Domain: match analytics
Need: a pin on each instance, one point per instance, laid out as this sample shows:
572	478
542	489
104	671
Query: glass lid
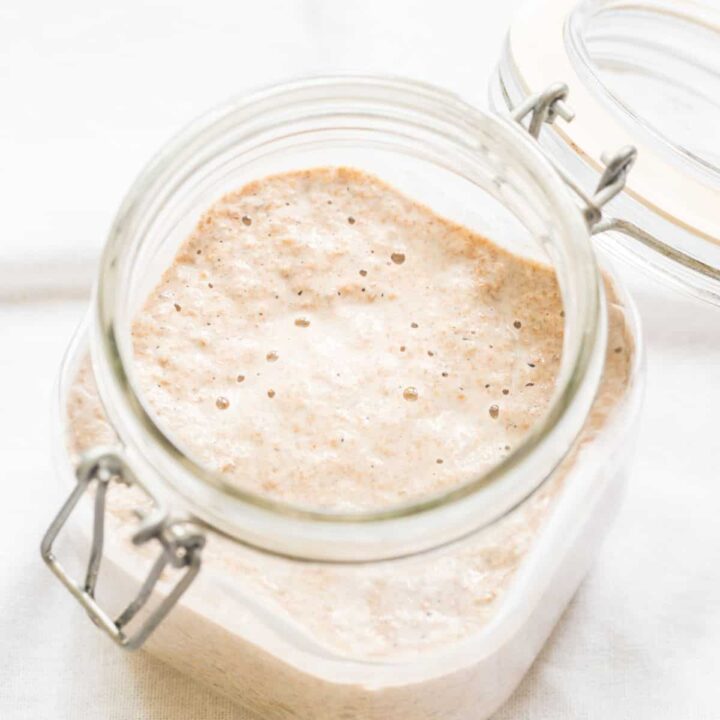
643	73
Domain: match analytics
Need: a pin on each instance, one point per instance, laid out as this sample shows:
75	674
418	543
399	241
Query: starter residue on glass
322	339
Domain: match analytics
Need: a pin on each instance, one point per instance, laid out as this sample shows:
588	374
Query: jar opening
414	135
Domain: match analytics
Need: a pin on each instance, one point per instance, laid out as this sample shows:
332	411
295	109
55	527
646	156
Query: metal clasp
550	104
181	545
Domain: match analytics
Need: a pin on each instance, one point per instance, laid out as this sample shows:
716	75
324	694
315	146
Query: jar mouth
434	117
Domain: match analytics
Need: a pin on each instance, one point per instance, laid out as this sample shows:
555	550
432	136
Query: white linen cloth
88	91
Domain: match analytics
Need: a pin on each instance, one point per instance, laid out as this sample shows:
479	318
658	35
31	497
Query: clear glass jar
283	592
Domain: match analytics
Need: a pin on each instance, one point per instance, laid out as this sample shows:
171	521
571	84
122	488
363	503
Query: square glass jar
249	623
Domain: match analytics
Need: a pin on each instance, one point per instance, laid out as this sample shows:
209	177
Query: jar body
232	634
446	631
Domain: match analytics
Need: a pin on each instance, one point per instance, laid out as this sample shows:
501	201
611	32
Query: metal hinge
550	104
180	541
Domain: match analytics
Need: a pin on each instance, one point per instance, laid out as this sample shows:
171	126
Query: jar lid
644	73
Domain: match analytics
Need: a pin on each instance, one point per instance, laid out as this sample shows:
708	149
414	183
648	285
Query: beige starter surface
325	340
322	339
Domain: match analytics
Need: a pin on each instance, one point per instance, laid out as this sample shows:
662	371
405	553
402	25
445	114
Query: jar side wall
492	670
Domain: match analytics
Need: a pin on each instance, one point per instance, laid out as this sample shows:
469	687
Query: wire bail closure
545	107
181	544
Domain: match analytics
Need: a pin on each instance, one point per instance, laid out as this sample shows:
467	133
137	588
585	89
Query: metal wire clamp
545	107
180	541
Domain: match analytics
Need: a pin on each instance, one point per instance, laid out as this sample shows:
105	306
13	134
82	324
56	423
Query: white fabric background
88	90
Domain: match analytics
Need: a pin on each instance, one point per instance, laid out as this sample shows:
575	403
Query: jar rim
285	528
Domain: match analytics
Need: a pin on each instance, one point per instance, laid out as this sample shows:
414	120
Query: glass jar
430	609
